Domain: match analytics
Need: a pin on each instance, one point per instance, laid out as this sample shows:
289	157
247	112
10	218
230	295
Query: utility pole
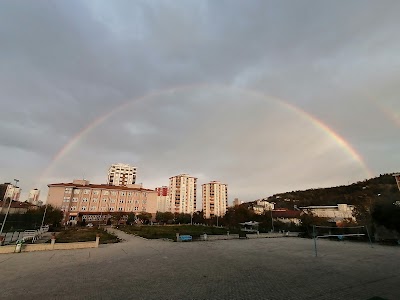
272	221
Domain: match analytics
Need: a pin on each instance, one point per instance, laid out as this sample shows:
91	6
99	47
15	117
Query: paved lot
279	268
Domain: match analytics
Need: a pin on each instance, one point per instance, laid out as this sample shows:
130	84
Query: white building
34	196
163	200
263	205
8	190
121	175
335	213
215	199
182	193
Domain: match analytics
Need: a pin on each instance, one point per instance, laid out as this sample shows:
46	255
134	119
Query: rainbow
74	141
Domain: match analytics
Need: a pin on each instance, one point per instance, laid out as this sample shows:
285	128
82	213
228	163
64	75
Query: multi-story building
8	190
34	196
163	200
215	199
263	205
97	202
335	213
121	175
182	193
237	202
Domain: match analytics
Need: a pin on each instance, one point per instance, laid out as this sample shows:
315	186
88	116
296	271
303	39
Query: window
73	208
86	192
105	199
105	193
95	192
93	208
84	200
130	194
68	190
83	208
120	208
113	193
122	193
66	199
136	201
76	192
112	201
121	201
94	200
136	208
111	208
129	201
144	201
75	199
144	194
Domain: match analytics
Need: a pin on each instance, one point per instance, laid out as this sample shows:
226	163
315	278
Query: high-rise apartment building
8	190
81	200
163	200
34	196
237	202
182	193
215	199
121	175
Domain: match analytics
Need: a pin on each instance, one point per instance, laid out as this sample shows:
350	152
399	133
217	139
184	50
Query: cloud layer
65	64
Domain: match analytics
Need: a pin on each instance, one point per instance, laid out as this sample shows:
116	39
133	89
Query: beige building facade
214	199
182	193
82	200
163	200
34	196
121	175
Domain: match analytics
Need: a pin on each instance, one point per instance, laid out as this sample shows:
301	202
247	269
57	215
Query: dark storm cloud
63	64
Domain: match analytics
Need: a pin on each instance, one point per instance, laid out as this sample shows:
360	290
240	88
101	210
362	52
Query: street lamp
8	209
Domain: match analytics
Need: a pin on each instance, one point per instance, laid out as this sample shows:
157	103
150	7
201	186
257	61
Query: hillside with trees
381	189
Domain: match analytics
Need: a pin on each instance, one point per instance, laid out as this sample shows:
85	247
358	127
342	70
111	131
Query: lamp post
272	221
8	209
44	215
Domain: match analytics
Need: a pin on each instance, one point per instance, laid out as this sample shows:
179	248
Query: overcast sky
235	91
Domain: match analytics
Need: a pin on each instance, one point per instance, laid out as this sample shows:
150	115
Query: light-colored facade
163	200
182	193
8	190
82	200
397	177
237	202
121	175
215	199
34	196
263	205
334	212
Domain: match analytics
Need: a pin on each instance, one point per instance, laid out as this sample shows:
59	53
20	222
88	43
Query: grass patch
169	231
85	235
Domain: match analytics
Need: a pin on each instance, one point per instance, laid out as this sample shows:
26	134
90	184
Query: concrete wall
52	246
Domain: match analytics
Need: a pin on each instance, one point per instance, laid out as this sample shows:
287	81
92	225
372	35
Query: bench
184	238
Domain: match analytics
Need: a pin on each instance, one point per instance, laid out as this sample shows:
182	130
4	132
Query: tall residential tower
215	199
121	175
182	193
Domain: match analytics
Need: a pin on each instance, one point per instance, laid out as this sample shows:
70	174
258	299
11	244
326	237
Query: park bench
30	235
184	238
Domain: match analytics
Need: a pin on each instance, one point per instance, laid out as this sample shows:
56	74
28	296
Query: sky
265	96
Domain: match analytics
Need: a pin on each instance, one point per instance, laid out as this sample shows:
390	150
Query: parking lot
263	268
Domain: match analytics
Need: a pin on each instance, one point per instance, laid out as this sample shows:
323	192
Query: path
233	269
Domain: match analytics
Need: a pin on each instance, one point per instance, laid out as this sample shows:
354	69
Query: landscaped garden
85	235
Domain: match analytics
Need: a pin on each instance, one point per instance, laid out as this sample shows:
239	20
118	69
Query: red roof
99	186
286	213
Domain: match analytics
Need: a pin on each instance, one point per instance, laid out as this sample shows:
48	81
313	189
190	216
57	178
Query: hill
381	189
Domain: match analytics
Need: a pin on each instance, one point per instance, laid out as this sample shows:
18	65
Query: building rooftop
99	186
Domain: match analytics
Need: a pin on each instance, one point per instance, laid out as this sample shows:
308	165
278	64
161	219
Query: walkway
261	268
